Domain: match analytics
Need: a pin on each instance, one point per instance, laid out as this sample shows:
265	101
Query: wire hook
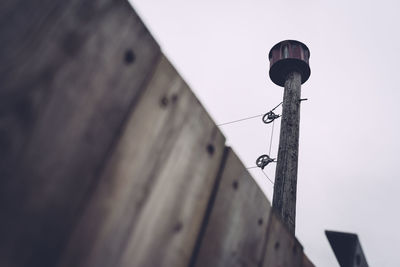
263	161
269	117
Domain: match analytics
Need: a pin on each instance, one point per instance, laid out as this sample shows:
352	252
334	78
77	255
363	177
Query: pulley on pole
289	68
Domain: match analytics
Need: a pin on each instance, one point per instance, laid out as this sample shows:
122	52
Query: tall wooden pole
289	68
284	199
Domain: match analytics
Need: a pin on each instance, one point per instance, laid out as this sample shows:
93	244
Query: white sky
349	128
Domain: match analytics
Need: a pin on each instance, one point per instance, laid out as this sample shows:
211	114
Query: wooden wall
108	159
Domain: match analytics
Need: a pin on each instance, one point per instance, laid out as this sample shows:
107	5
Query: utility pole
289	68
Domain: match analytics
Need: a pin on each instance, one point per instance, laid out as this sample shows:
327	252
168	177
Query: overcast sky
350	127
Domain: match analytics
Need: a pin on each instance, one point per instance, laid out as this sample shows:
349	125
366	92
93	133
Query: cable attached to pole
270	141
270	116
267	177
244	119
263	160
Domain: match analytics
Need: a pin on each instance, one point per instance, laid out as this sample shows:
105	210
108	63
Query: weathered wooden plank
151	199
282	248
70	72
236	230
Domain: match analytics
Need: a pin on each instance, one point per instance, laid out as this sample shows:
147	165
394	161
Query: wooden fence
108	159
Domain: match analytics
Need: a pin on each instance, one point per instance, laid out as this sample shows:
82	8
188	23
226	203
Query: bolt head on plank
286	57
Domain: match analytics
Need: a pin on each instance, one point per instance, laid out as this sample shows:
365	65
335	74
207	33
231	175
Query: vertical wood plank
236	230
151	199
70	72
282	248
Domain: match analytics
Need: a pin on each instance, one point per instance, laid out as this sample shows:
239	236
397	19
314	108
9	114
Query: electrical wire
262	172
277	106
267	177
248	118
270	141
252	167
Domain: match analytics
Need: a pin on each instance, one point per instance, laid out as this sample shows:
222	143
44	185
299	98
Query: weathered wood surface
108	159
152	196
236	229
282	248
285	187
70	71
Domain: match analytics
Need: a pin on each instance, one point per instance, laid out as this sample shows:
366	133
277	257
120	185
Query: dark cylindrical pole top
286	57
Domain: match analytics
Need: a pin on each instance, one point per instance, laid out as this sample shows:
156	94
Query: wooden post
289	68
284	199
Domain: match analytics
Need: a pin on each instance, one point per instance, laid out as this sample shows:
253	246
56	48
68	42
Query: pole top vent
286	57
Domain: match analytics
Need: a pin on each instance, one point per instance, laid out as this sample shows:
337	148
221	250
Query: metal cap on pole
289	68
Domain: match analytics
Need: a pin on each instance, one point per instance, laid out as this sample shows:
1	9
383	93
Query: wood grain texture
282	248
285	187
236	230
70	71
151	199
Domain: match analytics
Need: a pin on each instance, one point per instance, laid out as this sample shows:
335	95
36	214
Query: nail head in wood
129	57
